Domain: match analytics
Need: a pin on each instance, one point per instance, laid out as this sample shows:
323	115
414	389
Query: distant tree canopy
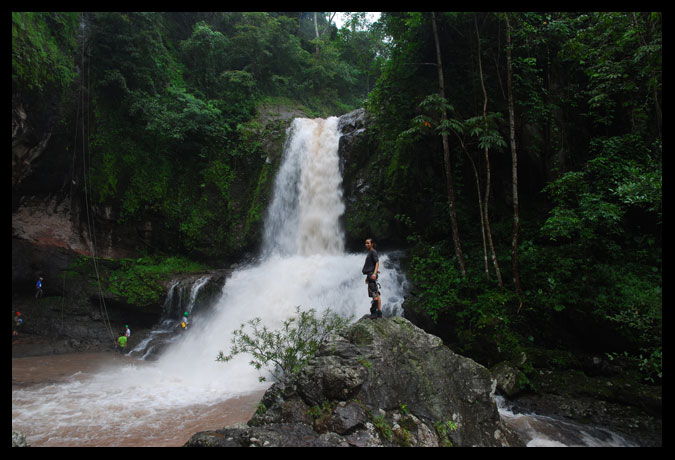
173	93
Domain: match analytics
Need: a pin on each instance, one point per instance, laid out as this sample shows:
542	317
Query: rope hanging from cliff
70	194
85	170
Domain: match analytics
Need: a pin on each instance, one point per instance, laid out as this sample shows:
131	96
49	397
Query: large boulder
509	377
381	382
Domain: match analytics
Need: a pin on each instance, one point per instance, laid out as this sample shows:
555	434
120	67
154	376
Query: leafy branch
287	350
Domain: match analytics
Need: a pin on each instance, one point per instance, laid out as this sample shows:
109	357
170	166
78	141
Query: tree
204	54
458	129
316	29
486	145
514	160
362	45
446	153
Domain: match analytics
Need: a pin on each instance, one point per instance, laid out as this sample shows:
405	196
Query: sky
339	19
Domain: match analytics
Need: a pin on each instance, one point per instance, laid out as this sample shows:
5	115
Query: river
547	431
87	400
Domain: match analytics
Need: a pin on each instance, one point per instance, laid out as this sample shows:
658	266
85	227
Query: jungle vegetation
518	156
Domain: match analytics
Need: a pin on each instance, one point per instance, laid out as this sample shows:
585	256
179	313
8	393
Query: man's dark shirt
371	259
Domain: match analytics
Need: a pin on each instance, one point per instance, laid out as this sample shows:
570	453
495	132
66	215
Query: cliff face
52	203
381	382
362	216
53	224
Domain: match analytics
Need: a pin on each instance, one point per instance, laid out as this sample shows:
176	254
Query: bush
436	276
284	351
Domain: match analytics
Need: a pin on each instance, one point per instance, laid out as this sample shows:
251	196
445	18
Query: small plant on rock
287	350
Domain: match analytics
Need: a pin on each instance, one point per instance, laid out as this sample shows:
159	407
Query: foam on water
544	431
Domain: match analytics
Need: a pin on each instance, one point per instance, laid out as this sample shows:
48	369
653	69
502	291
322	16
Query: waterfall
175	304
302	263
303	218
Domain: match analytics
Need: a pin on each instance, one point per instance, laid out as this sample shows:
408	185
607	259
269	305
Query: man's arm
377	268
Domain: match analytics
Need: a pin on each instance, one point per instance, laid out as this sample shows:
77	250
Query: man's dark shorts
373	290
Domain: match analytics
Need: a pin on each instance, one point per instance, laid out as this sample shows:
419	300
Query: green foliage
586	216
287	350
632	299
205	57
479	311
651	365
179	117
591	204
172	97
137	281
618	85
382	426
43	48
437	278
321	414
443	430
485	130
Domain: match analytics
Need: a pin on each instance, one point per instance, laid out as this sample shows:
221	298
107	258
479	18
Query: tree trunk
446	155
487	167
316	31
323	32
330	19
514	160
482	218
480	207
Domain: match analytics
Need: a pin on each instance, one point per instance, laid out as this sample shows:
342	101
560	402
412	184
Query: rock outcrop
355	152
380	382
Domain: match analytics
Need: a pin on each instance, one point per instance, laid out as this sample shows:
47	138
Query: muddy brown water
57	401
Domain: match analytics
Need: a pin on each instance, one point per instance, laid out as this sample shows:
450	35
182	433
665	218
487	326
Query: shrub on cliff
284	351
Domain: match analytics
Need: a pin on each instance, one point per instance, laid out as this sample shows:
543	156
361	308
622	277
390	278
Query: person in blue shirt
38	287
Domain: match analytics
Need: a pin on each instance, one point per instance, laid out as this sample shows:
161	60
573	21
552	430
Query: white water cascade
303	216
303	263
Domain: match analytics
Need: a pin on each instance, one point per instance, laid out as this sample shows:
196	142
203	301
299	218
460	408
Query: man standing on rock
371	269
